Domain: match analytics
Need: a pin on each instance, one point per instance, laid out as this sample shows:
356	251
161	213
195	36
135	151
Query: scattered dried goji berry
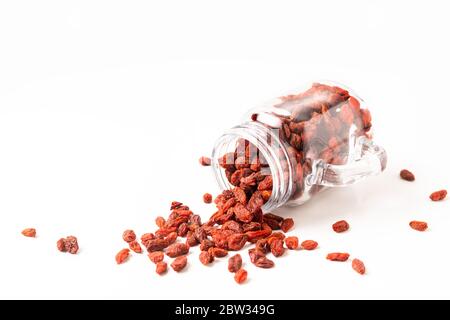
338	256
341	226
160	222
207	198
29	232
264	262
358	266
122	256
218	252
206	258
177	249
276	247
157	244
179	263
156	256
309	244
129	236
235	263
240	276
407	175
287	224
135	246
291	243
236	241
68	244
438	195
418	225
204	161
161	267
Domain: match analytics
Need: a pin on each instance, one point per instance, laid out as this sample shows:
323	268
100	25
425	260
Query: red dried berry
338	256
156	256
179	263
291	243
235	263
438	195
341	226
358	266
264	262
236	241
207	198
157	244
276	247
240	276
161	268
160	222
122	256
407	175
177	249
204	161
309	244
218	252
129	236
68	244
29	232
135	246
206	258
287	225
418	225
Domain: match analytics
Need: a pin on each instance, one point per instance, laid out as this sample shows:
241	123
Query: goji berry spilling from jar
29	232
68	244
407	175
438	195
418	225
340	226
204	161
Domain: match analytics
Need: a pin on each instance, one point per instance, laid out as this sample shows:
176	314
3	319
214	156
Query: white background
105	107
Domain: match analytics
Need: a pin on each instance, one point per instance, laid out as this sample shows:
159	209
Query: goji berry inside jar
292	147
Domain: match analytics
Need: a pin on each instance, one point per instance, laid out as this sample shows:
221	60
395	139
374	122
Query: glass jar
305	141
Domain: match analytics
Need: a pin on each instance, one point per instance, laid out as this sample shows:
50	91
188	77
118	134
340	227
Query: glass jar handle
371	160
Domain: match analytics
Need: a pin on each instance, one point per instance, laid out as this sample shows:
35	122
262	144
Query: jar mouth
257	135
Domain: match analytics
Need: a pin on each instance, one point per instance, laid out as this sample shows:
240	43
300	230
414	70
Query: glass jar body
316	137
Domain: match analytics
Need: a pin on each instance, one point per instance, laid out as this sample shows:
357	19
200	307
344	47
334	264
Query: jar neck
267	141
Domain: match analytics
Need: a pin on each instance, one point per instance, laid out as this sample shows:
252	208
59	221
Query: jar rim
256	134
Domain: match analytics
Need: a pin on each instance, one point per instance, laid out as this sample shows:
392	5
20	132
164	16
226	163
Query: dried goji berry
207	198
206	258
338	256
341	226
240	276
407	175
177	249
156	256
160	222
161	267
29	232
129	236
218	252
418	225
179	263
204	161
156	244
122	256
291	243
287	224
171	237
135	246
235	263
276	247
438	195
264	262
68	244
236	241
206	244
358	266
309	244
